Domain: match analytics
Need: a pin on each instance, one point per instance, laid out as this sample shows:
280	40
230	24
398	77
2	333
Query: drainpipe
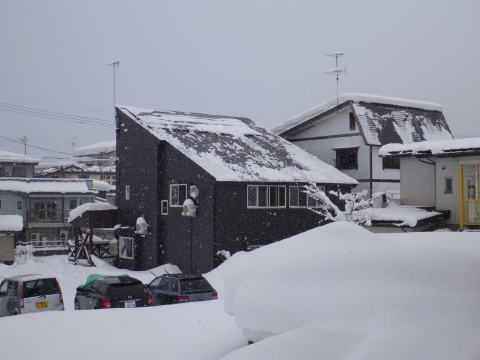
371	170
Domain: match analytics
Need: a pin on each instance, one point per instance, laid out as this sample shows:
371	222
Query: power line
43	102
36	147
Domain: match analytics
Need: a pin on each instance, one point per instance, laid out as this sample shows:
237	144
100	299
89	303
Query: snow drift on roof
79	211
235	149
433	147
26	185
94	149
330	104
11	223
10	157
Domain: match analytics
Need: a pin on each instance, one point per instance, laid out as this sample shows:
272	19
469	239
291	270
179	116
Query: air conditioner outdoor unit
63	236
35	238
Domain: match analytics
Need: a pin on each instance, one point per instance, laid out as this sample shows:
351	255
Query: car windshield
39	287
195	284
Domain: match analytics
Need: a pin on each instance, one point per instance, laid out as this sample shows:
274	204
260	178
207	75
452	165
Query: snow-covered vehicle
29	293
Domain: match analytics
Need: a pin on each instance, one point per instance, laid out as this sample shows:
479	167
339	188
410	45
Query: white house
349	135
441	174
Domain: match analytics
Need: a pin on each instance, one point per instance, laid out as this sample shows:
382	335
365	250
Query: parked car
177	288
29	293
105	292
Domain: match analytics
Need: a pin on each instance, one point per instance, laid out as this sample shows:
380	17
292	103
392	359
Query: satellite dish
194	191
142	226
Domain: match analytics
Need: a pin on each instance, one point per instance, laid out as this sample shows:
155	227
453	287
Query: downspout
461	198
371	170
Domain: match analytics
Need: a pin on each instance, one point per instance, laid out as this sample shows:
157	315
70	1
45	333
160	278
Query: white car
29	293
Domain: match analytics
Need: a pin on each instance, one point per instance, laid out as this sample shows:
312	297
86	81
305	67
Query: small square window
127	192
448	185
391	163
164	209
126	247
346	158
19	205
72	204
178	194
352	121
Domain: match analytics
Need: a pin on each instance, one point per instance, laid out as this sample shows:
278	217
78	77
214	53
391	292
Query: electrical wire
36	147
43	102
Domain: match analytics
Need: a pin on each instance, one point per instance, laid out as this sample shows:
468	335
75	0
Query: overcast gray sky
258	59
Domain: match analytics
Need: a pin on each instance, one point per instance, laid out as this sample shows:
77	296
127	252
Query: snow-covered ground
335	292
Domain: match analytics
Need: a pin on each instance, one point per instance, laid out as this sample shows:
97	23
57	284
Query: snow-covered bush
354	204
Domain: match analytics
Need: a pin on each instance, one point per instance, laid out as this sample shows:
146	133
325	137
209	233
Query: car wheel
77	305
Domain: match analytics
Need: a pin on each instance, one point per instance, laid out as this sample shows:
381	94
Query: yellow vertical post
461	199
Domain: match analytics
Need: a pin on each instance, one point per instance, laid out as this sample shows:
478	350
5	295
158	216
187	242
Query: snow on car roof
235	149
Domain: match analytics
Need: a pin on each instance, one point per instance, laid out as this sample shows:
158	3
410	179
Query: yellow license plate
42	305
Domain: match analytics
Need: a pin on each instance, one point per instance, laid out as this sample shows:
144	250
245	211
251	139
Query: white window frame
301	189
268	197
170	194
122	240
127	192
445	185
162	208
21	205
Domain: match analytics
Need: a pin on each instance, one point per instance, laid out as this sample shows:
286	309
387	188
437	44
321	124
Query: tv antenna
337	70
114	64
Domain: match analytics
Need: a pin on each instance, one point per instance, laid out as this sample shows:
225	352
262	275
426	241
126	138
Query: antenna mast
114	64
337	70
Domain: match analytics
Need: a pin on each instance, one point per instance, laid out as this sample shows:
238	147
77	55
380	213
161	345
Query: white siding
448	167
417	186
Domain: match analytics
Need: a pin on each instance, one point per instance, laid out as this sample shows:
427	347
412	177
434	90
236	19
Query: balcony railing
44	215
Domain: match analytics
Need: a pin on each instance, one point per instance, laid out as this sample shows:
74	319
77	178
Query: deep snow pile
342	292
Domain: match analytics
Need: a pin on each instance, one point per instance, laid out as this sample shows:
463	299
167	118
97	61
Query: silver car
29	293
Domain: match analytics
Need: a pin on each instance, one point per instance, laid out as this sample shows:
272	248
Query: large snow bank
98	148
435	147
11	223
342	292
79	211
330	104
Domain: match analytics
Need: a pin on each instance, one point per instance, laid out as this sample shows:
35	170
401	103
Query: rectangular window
164	209
266	196
83	176
346	158
19	171
126	247
127	192
2	171
0	204
19	205
72	204
178	194
352	121
107	177
448	185
298	197
391	163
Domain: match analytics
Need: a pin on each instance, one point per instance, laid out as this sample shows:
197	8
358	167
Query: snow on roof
101	185
378	122
235	149
6	156
94	149
432	147
79	211
407	215
11	223
27	185
77	168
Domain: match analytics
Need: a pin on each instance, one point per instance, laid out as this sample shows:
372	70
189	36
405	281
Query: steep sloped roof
382	120
235	149
443	147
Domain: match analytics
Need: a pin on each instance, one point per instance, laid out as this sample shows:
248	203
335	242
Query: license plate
42	305
130	304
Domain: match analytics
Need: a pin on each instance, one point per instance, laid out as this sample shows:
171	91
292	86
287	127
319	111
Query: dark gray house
190	185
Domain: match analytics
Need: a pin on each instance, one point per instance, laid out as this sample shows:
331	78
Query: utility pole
73	144
114	64
24	140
